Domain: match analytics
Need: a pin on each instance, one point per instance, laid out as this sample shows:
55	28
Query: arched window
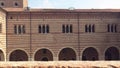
16	4
43	28
112	53
43	55
2	4
112	30
44	51
44	59
90	54
86	28
67	54
71	28
47	29
11	17
89	28
63	28
19	29
23	29
67	29
40	29
93	28
115	28
18	55
15	29
108	27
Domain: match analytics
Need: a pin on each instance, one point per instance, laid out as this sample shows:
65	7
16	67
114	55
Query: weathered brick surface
55	41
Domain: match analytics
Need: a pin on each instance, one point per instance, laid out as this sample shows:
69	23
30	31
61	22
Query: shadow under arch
43	55
2	56
67	54
90	53
112	53
18	55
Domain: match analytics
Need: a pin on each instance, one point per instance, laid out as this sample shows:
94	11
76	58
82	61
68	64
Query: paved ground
62	64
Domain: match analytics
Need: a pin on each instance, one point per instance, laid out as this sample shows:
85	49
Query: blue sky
78	4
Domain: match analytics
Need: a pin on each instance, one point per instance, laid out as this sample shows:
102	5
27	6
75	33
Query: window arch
71	28
115	28
108	26
67	54
15	29
18	55
90	54
43	55
90	28
86	28
19	29
67	28
2	4
23	29
112	53
63	28
40	29
43	28
112	28
16	4
44	59
93	28
47	29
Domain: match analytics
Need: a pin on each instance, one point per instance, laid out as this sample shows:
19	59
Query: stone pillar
101	55
77	57
55	58
80	57
30	58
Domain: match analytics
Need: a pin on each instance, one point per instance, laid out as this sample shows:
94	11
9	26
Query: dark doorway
90	54
67	54
112	53
44	59
18	55
43	55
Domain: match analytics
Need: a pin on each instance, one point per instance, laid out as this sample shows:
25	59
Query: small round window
16	4
2	4
11	17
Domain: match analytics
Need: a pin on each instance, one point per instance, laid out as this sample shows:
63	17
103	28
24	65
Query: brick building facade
57	34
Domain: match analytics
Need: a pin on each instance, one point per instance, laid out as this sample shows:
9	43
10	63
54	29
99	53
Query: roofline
64	10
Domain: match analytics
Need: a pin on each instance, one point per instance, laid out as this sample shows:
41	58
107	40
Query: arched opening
18	55
67	54
1	56
90	54
112	53
44	59
43	55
